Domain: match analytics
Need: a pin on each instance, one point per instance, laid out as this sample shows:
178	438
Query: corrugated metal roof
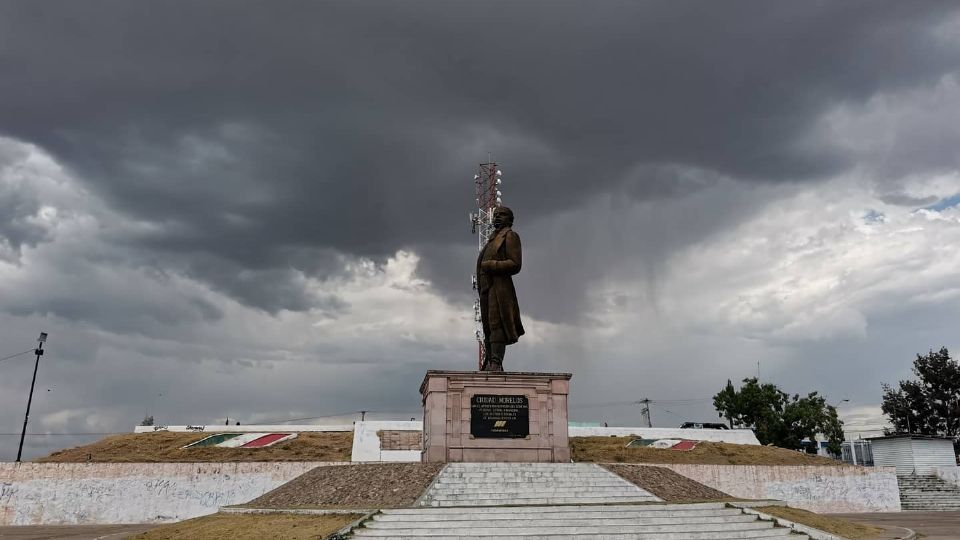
915	436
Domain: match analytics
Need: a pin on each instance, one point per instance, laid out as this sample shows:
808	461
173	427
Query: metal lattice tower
487	181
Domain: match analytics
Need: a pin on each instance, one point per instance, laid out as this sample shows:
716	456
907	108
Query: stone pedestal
488	416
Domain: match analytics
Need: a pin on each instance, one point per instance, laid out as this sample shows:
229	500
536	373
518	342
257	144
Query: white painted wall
735	436
948	474
817	489
265	428
366	443
107	493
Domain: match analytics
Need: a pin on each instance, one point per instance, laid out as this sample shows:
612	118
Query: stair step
699	521
546	527
603	521
684	509
544	535
537	501
543	492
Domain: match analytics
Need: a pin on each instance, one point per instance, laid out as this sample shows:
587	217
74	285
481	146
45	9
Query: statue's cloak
499	306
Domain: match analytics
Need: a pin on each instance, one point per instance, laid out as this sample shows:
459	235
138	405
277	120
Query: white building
913	454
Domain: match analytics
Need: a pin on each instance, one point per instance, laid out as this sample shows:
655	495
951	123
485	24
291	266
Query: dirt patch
832	525
165	446
613	450
666	484
252	527
381	485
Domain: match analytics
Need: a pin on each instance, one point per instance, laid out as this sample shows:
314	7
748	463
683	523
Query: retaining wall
367	445
107	493
733	436
948	474
816	488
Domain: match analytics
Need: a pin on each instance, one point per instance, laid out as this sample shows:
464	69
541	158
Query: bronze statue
499	310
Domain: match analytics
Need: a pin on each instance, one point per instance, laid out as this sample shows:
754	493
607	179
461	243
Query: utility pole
645	411
39	352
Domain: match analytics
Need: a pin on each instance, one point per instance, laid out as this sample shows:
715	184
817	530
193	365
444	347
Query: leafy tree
147	420
931	404
778	418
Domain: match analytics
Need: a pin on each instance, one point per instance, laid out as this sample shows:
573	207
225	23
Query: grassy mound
613	450
165	446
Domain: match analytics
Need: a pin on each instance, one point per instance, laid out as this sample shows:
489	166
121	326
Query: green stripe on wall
213	439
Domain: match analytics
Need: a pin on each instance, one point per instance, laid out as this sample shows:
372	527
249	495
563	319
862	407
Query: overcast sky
258	210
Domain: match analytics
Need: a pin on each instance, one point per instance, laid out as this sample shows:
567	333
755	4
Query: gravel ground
666	484
383	485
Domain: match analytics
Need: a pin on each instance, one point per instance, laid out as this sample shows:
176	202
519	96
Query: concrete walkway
71	532
932	525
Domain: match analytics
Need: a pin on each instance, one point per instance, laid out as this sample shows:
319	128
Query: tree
931	404
147	420
778	418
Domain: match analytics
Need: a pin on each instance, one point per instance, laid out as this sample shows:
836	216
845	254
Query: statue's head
502	217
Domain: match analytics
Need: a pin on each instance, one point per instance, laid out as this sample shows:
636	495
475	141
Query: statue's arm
511	265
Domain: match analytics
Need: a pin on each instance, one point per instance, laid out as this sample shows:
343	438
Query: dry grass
251	527
832	525
613	450
165	446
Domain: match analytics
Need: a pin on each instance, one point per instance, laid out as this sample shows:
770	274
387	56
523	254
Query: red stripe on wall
265	440
684	445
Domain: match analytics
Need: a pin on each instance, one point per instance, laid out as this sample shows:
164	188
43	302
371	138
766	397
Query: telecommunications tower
487	181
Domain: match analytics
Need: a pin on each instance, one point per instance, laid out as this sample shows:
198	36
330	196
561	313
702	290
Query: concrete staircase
929	493
497	484
713	521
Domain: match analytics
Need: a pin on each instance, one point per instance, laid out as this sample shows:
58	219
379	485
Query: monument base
495	416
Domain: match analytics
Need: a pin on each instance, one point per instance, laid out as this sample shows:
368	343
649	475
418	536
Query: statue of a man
500	313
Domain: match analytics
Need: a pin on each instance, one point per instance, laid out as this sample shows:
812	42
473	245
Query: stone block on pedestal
479	416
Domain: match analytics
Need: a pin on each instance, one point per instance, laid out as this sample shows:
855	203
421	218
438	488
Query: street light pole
39	352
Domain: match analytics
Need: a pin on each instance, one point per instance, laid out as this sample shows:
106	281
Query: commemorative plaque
499	416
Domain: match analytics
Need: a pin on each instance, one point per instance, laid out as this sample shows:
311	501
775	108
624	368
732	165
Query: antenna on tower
487	182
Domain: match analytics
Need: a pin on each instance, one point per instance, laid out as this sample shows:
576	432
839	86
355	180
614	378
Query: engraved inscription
499	416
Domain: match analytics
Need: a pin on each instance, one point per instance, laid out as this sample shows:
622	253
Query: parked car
703	425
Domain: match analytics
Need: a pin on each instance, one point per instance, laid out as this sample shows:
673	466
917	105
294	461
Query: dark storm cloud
249	132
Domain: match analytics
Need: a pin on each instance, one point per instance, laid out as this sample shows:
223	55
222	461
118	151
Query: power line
16	355
67	434
638	402
348	413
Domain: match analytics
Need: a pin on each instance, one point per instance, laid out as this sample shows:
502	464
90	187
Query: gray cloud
248	133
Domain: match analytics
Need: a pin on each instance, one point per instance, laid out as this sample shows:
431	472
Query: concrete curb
436	478
815	534
347	530
911	534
